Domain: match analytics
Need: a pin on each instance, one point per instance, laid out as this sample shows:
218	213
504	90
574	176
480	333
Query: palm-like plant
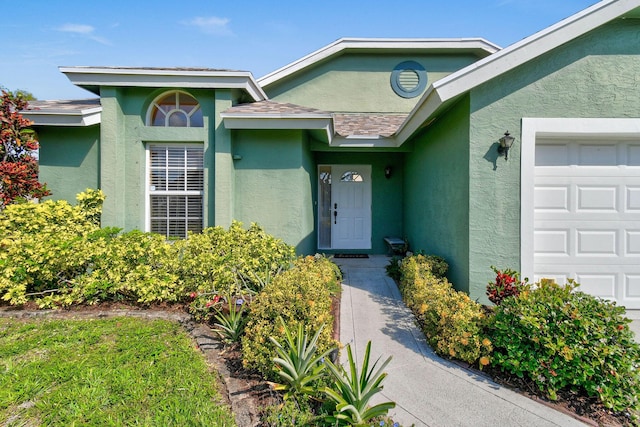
231	326
298	364
352	391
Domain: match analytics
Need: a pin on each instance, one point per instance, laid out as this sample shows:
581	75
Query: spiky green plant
351	391
230	327
298	365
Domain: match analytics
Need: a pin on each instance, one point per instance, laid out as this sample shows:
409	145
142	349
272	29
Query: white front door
349	207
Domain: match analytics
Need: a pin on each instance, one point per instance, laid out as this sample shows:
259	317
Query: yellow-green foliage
43	246
224	261
134	266
451	321
299	295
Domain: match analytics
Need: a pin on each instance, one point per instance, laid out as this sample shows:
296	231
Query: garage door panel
599	198
597	155
554	198
587	216
632	286
632	202
632	243
600	285
551	242
596	242
633	155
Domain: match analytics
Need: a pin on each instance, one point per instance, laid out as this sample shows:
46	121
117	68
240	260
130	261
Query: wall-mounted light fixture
387	172
505	144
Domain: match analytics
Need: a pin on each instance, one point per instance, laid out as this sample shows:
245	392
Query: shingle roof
63	106
364	124
272	108
345	124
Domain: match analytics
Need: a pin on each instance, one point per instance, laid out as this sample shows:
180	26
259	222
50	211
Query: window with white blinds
176	188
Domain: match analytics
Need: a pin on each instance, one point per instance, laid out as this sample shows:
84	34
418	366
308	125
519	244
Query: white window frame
154	105
148	193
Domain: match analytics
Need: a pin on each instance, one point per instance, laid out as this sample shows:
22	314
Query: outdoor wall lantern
387	172
505	143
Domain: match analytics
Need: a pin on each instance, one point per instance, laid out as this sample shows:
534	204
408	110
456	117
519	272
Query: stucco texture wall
596	75
273	185
360	82
69	160
437	192
125	137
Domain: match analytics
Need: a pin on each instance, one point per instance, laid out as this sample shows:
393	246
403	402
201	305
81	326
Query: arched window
176	109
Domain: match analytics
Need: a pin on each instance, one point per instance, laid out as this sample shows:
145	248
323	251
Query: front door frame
365	171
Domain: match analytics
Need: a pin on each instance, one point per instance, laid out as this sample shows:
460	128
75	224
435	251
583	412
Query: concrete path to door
428	390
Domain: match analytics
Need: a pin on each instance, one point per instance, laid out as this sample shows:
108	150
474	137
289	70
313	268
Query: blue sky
258	36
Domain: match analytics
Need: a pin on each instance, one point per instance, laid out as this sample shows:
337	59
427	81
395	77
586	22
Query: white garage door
587	216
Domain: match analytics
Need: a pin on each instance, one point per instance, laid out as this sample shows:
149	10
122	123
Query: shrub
301	295
134	267
560	338
44	246
219	261
507	284
452	323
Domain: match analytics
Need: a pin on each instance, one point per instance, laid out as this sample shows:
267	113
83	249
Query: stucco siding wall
273	185
360	82
597	75
437	192
386	194
69	160
123	153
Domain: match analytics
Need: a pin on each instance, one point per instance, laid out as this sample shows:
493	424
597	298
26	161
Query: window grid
175	109
176	189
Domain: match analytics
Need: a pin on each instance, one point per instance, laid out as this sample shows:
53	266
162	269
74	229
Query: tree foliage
18	146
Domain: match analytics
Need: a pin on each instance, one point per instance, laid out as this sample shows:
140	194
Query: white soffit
279	121
511	57
202	78
64	117
478	46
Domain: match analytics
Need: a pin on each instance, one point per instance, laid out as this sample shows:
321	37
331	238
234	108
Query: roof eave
80	118
280	121
91	78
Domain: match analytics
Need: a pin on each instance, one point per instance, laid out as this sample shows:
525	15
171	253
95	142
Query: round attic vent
409	79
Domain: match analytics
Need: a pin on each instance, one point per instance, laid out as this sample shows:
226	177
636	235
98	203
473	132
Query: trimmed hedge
302	294
452	323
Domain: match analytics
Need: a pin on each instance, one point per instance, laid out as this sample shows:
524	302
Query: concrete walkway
428	390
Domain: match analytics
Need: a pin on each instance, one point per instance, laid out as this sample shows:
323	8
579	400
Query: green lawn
120	371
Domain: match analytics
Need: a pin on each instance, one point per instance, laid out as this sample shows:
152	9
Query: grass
106	372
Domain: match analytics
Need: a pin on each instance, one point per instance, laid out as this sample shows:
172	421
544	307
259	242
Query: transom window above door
175	109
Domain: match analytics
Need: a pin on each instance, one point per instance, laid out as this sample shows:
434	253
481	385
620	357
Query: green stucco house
371	138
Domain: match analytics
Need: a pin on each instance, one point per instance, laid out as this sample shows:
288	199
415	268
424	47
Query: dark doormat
351	256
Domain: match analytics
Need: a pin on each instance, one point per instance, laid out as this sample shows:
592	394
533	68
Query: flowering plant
506	284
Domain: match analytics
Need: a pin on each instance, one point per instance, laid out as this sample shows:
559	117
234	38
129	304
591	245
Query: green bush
452	323
219	261
560	338
301	295
44	246
134	267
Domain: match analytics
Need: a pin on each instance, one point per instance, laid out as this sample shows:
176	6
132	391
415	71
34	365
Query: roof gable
476	46
462	81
